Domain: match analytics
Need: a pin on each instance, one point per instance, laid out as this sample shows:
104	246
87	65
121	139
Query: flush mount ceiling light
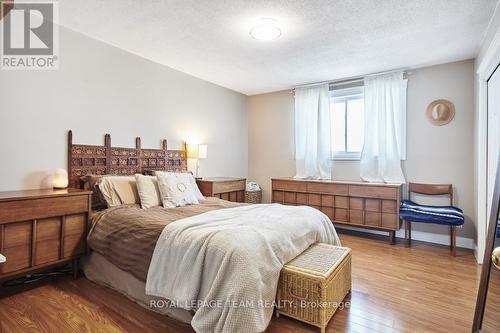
266	29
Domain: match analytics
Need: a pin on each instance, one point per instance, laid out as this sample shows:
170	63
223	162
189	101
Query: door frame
486	63
490	241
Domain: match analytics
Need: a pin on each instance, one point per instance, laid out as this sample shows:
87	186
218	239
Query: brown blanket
126	235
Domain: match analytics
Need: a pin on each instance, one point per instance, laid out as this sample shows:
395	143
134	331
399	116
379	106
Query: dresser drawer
314	200
47	229
290	185
380	192
328	211
17	234
372	205
341	202
47	251
75	225
301	198
356	216
22	210
389	206
18	257
327	200
278	196
356	203
74	245
339	189
290	197
390	221
372	219
341	215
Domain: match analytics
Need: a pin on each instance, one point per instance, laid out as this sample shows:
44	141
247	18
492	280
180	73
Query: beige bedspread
126	235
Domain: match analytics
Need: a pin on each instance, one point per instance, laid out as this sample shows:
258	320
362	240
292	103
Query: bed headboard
109	160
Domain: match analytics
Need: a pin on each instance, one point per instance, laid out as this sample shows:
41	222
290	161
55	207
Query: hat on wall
440	112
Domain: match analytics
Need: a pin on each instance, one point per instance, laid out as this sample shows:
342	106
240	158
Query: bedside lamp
196	152
60	178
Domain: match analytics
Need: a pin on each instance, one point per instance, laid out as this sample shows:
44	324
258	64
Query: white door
493	131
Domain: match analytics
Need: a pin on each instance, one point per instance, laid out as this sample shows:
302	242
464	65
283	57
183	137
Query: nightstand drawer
228	186
42	228
231	189
18	257
21	210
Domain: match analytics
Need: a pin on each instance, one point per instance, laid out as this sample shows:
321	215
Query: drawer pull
291	293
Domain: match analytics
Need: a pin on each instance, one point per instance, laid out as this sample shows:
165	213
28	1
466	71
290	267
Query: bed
215	264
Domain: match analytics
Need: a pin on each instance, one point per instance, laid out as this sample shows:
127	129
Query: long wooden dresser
357	204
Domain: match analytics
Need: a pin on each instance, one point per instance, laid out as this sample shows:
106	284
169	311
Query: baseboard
463	242
479	258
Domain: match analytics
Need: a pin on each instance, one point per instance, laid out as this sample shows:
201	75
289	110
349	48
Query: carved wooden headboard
108	160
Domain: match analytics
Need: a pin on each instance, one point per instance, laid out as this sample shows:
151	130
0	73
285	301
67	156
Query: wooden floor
395	289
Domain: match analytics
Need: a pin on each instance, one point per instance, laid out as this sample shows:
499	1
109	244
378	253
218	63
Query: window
347	117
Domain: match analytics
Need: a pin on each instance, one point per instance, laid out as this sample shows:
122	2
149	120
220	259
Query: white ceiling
322	39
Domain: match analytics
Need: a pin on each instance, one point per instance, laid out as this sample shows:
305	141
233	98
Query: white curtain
312	132
385	128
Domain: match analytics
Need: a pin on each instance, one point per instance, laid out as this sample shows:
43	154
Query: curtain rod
354	78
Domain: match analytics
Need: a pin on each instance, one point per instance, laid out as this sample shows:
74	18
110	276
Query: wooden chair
432	189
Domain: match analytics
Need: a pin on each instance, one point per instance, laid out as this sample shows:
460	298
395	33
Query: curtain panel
385	128
313	132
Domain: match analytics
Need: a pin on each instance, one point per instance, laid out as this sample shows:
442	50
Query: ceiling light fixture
266	29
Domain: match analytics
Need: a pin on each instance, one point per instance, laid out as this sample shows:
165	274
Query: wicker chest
313	285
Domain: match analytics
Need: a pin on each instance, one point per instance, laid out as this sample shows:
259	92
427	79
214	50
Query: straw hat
440	112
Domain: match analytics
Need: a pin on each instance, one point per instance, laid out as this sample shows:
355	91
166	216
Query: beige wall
435	154
101	89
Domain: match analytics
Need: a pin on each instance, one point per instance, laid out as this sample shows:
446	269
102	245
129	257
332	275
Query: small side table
226	188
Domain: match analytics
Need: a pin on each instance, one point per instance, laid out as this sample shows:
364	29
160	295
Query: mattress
126	235
99	270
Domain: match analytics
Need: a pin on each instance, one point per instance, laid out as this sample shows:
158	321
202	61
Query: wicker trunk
312	286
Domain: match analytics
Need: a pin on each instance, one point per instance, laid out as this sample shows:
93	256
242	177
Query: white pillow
192	182
147	187
175	190
119	190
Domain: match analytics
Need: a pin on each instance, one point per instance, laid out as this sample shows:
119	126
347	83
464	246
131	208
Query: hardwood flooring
395	289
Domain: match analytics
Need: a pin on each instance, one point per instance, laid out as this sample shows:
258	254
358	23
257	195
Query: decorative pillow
192	182
175	190
119	190
147	187
91	183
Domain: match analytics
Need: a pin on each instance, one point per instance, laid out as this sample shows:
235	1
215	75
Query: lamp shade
60	178
202	151
192	150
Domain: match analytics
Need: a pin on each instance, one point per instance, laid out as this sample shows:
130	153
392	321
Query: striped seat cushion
448	215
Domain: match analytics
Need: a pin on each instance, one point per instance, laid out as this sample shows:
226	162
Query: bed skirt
99	270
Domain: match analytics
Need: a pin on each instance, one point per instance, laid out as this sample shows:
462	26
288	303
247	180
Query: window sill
345	158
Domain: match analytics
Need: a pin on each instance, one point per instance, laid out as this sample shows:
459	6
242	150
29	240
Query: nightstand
231	189
40	229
